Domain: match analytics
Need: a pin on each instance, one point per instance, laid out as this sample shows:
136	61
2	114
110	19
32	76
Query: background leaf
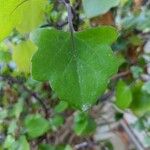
46	147
34	13
36	125
56	122
22	55
84	125
25	15
62	106
94	8
5	56
9	141
123	95
9	19
141	100
23	143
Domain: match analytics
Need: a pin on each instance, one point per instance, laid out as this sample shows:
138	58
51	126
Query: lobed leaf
77	72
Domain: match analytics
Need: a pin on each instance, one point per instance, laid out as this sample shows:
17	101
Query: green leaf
83	124
140	124
9	19
4	47
46	147
56	122
136	71
23	144
62	106
18	108
141	100
135	40
68	147
20	144
51	147
36	125
78	74
123	95
9	141
123	2
22	55
146	87
25	15
64	147
3	114
108	145
94	8
12	128
34	13
5	56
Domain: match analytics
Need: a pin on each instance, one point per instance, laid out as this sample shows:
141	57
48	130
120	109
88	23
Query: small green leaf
136	71
108	145
18	108
4	47
94	8
135	40
123	95
146	87
22	55
9	141
23	143
64	147
3	114
139	124
83	71
46	147
141	100
56	122
62	106
12	128
83	124
36	125
5	56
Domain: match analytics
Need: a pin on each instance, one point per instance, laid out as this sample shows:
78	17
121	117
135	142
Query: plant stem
70	20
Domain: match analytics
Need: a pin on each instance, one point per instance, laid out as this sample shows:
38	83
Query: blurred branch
20	81
40	100
59	25
132	135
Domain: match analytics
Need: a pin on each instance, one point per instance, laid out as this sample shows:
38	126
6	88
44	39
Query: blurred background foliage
31	115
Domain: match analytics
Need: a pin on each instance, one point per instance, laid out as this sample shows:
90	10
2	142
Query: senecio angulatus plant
77	64
53	41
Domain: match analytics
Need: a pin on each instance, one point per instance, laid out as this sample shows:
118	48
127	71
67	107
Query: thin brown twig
121	74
